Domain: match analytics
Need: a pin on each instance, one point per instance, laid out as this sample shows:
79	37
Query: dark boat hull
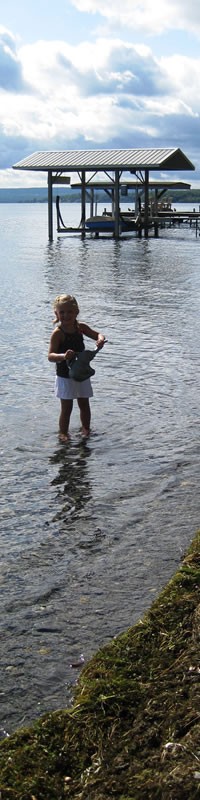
106	223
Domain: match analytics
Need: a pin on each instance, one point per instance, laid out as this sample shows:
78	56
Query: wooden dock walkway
168	218
159	216
173	218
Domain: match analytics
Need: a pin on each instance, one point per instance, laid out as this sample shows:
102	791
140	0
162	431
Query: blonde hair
61	299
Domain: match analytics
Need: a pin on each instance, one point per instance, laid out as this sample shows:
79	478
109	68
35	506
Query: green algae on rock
133	732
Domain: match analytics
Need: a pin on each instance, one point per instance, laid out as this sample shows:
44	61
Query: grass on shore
133	732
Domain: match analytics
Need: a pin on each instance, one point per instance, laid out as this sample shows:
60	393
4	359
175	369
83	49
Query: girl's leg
85	414
66	410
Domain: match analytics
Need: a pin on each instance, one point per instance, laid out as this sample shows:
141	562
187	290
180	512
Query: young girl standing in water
66	341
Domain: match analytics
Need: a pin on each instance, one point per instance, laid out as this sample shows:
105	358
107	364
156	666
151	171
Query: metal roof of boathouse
132	159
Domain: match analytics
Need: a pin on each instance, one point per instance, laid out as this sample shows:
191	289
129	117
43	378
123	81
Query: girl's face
66	313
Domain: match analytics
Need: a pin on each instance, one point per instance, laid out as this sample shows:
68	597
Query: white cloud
109	93
105	67
11	178
184	72
145	15
11	78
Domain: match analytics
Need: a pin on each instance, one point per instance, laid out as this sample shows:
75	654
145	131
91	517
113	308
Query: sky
92	74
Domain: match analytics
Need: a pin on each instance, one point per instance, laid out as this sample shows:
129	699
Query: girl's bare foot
64	437
85	432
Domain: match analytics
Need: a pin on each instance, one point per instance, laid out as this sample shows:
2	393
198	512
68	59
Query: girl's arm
87	331
55	352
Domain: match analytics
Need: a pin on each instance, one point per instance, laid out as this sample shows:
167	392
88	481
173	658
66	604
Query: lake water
92	531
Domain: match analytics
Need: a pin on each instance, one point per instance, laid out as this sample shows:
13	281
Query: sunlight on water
91	531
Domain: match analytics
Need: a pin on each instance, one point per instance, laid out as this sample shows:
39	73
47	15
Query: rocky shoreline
133	732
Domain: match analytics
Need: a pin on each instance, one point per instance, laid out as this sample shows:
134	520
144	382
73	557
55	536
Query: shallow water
92	531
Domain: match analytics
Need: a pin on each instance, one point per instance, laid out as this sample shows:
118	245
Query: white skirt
68	389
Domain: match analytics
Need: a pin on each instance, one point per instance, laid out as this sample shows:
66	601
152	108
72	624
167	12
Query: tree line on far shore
40	195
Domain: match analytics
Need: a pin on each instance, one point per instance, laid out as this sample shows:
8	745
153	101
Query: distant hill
40	195
36	195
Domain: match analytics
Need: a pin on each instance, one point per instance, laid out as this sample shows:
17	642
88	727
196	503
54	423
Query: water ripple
91	531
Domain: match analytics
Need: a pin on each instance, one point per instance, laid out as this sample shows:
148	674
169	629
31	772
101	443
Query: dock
173	219
131	222
116	165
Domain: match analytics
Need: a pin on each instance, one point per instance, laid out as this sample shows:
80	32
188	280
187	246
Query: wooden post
146	203
136	202
83	203
91	201
50	207
156	229
116	234
113	202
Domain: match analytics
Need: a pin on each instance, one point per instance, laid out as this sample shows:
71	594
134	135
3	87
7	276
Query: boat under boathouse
114	164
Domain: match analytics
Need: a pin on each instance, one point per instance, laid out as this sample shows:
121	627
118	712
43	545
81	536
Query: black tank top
71	341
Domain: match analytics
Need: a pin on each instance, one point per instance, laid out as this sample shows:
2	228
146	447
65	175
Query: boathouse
88	164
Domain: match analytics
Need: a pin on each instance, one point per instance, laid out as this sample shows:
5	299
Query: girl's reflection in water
74	489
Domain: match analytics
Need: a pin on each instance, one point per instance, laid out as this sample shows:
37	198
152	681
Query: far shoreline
40	195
